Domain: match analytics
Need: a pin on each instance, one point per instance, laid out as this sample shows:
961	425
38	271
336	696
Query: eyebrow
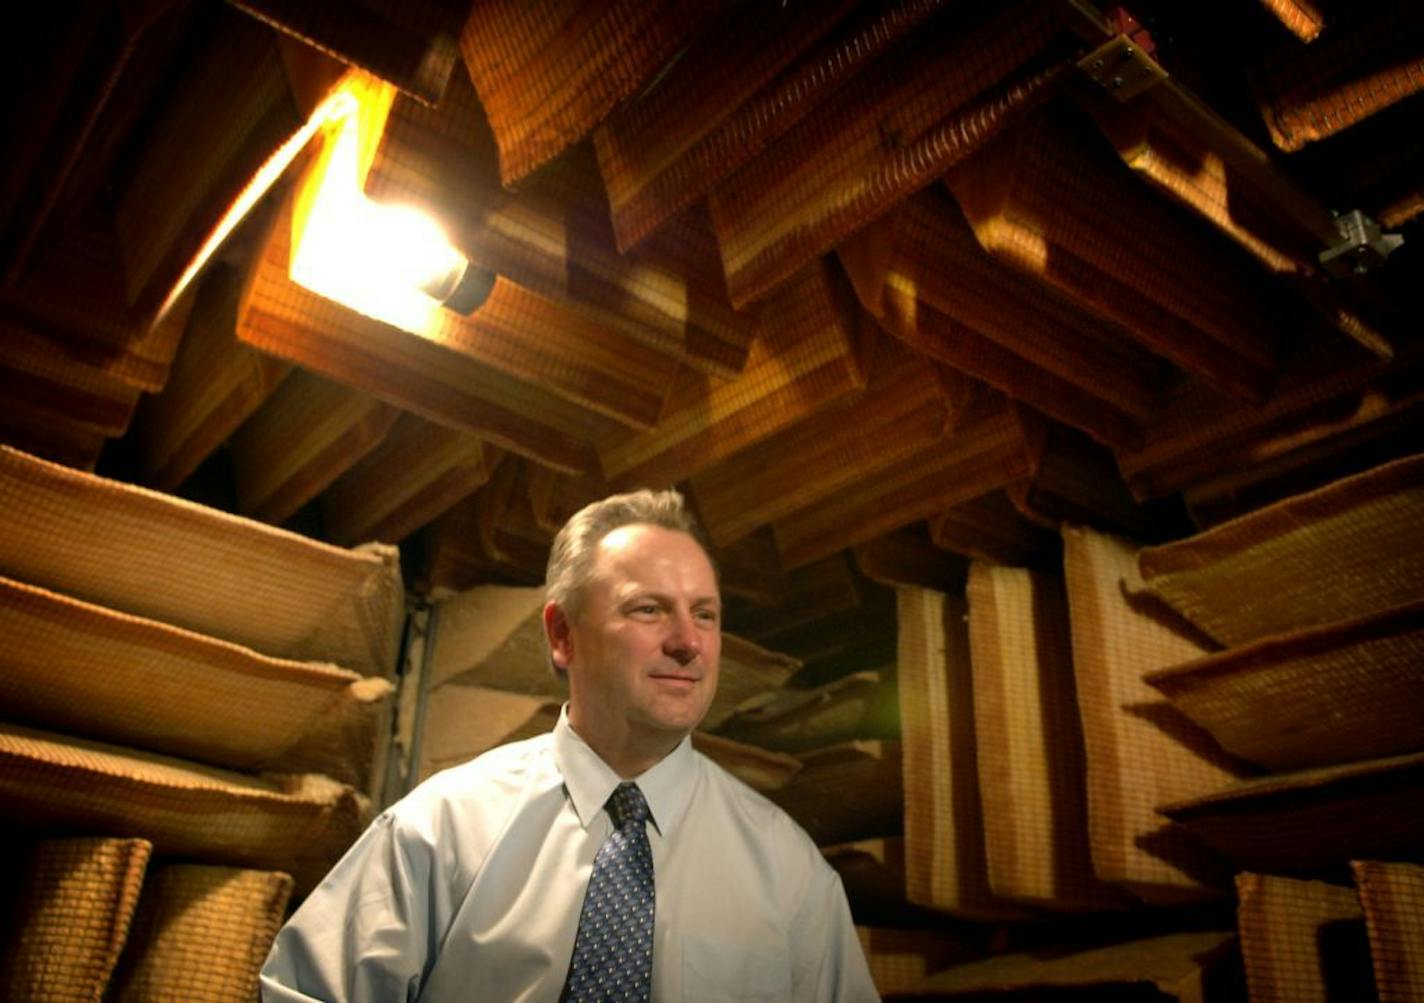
635	594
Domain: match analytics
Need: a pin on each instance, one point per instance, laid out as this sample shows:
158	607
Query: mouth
677	680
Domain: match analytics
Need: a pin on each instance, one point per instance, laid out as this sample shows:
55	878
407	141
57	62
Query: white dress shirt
470	889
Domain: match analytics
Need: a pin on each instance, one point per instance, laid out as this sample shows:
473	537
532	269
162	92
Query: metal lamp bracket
1122	68
1362	246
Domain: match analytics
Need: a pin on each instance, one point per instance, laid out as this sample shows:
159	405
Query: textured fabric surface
200	934
795	720
215	385
906	408
946	296
1301	941
953	86
298	823
83	669
1177	965
161	557
899	959
1140	751
845	792
805	355
1180	297
1303	17
945	863
1346	549
992	445
1356	68
304	436
1340	693
1030	742
66	916
1148	140
1393	899
1309	819
669	145
412	43
548	73
613	950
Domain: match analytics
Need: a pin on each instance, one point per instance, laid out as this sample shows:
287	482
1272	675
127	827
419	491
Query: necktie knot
626	805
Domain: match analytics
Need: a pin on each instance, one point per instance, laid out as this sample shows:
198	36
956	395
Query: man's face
643	649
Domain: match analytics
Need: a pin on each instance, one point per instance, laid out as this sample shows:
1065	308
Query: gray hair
571	557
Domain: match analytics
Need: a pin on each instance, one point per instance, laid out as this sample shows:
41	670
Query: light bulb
393	263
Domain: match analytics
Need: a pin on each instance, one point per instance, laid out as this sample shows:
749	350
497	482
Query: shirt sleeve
828	965
364	934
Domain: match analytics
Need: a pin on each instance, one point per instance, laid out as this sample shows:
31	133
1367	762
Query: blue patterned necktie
613	951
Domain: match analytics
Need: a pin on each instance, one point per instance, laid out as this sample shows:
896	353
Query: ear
559	635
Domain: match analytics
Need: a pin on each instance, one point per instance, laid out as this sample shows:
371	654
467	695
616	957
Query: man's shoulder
759	812
453	819
494	779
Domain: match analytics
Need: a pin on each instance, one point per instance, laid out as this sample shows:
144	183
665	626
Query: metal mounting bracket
1122	68
1362	246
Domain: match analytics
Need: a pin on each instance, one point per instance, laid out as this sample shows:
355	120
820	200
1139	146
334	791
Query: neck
626	753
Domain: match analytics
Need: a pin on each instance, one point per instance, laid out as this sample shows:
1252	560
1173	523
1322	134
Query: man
606	860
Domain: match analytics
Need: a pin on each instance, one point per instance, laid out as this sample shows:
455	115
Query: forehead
654	554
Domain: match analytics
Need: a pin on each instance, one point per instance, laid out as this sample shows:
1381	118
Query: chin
679	724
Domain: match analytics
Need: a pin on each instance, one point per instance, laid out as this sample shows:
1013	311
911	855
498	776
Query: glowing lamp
390	262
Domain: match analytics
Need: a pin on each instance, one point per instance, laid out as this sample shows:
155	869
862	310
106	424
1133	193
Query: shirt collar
667	785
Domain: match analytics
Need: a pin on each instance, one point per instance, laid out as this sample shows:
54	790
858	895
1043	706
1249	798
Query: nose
683	642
